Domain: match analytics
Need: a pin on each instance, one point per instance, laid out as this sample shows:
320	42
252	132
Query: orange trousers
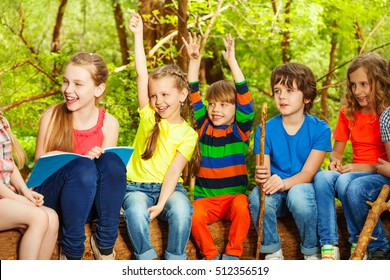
209	210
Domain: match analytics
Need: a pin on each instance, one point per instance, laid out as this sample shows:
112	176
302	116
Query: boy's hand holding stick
262	193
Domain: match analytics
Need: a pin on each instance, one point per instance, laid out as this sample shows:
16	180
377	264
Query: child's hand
383	167
346	168
274	184
95	152
135	24
335	165
229	53
33	197
154	211
38	198
262	174
193	46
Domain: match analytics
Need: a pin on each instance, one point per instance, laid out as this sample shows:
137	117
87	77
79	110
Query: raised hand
135	24
229	53
193	45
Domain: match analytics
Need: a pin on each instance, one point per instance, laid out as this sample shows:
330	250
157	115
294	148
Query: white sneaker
330	252
278	255
314	257
96	252
353	248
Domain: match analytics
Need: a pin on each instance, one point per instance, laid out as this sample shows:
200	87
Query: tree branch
377	208
346	62
28	99
210	25
27	61
21	36
373	31
173	34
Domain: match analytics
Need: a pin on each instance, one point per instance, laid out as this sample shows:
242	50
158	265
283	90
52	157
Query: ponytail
61	130
151	143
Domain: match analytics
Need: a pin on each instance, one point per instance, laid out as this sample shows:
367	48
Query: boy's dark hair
286	74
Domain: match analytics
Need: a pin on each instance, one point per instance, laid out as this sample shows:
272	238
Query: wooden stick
377	208
262	194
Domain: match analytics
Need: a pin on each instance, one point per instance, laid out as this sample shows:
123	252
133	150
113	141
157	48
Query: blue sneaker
230	257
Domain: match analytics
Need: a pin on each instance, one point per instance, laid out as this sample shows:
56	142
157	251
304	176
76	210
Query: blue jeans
177	211
364	189
329	185
84	189
300	202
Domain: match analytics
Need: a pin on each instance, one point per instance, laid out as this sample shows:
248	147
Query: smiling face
361	89
166	98
221	113
79	89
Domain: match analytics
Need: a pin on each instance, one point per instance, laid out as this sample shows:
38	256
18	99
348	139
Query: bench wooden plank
9	240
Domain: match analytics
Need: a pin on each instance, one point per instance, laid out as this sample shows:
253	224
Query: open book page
47	165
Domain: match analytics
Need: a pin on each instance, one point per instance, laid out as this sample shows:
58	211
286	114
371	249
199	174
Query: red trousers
232	208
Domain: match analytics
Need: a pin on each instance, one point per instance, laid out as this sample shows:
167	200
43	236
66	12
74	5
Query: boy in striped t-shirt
224	129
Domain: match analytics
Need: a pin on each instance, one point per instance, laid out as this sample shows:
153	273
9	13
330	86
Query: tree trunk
55	45
151	25
358	35
182	58
286	34
121	29
328	80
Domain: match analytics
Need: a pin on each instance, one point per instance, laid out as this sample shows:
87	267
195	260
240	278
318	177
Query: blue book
47	165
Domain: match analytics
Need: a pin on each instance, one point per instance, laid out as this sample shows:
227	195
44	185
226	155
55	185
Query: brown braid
152	139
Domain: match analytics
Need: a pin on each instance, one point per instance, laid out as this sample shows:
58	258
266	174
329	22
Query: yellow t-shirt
173	138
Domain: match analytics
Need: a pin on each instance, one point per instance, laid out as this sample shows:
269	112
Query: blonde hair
61	122
161	72
175	72
19	154
378	77
222	91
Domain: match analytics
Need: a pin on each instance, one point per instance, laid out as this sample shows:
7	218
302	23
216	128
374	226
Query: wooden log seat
9	240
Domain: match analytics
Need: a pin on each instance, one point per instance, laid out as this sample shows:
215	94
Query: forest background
38	36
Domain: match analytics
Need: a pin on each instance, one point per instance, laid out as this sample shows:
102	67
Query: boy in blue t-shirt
295	146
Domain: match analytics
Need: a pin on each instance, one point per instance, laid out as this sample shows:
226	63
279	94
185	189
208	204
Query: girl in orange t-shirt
365	99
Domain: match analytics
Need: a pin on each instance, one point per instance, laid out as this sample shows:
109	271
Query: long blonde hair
378	77
61	122
19	154
175	72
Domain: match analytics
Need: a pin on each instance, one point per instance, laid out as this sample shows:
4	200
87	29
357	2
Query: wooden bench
9	240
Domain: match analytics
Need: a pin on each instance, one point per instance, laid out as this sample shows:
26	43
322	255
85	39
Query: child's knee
39	219
199	215
241	203
53	220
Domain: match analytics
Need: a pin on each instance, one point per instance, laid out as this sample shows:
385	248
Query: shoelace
327	253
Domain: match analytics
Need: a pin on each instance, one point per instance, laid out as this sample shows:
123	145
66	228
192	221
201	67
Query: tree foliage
38	36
